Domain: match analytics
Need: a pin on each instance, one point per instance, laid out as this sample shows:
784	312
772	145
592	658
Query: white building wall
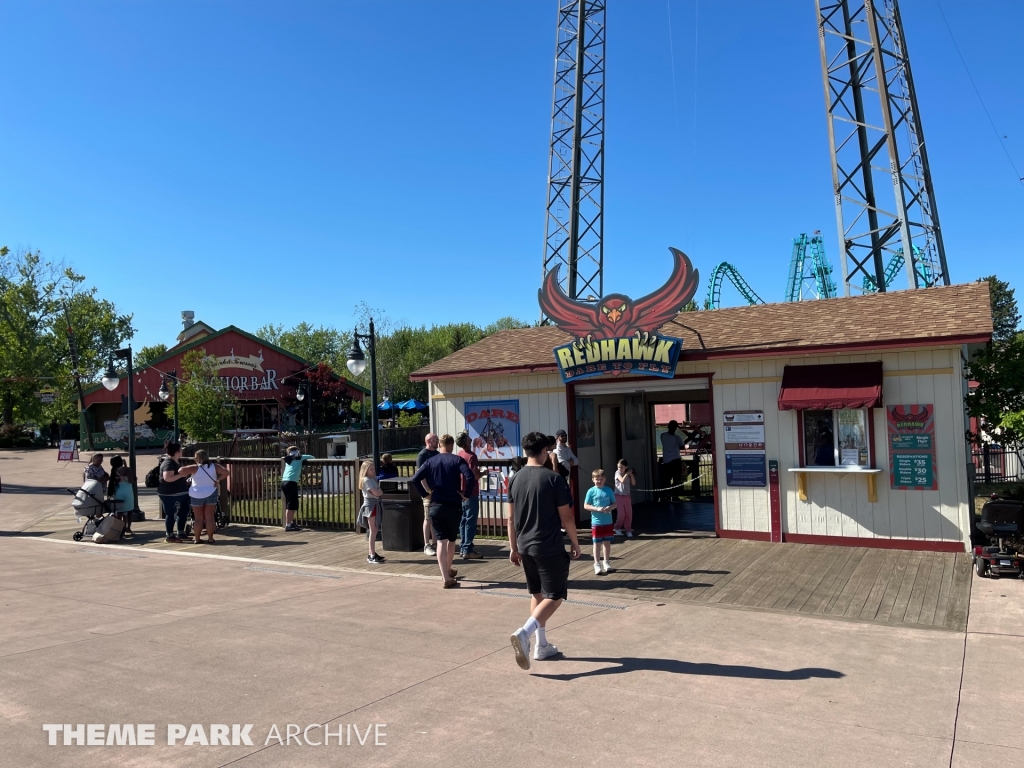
541	400
837	505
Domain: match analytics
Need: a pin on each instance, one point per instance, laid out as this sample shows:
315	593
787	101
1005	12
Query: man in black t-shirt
539	507
429	452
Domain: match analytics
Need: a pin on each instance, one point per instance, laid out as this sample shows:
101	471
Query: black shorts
547	574
290	489
445	520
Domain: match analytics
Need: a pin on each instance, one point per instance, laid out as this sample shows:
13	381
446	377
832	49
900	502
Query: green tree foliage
315	344
39	303
1005	317
145	356
202	396
998	399
409	419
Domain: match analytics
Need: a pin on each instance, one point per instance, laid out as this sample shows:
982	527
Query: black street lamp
111	381
357	364
304	392
165	394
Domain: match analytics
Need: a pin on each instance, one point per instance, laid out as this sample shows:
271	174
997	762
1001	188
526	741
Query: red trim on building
570	429
916	545
749	535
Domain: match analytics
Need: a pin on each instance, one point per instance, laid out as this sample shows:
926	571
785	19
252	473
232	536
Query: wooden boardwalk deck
922	589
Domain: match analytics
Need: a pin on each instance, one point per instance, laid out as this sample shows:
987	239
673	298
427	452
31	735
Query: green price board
911	431
912	470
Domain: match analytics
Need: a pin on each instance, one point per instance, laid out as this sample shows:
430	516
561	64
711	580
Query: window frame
836	454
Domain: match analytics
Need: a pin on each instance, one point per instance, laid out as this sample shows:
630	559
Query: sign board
745	465
493	428
911	432
47	395
615	334
68	450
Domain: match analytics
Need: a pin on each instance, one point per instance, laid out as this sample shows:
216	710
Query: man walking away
671	459
54	434
442	477
471	503
427	453
538	508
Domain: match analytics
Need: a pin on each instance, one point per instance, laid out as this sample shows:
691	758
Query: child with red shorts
600	501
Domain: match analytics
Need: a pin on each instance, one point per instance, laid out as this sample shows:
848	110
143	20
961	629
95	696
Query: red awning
823	387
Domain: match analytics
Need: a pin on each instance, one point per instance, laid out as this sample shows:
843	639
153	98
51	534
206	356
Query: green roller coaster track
810	275
925	275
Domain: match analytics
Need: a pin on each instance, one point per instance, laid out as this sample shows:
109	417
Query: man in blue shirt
442	478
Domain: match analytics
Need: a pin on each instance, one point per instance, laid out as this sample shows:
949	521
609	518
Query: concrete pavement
95	634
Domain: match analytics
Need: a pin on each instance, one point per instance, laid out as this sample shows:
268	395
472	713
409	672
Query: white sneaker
629	534
429	550
521	645
597	569
605	568
542	652
618	532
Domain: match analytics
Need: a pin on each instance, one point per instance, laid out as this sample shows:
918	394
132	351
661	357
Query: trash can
402	523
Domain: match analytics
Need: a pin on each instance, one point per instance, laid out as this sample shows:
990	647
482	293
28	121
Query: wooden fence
327	493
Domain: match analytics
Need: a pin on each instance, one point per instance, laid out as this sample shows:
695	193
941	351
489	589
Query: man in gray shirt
427	453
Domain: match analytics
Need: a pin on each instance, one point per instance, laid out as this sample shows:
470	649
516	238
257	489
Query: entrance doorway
625	420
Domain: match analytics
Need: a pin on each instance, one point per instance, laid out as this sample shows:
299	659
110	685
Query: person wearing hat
563	452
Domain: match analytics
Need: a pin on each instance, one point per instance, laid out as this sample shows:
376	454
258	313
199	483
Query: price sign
911	430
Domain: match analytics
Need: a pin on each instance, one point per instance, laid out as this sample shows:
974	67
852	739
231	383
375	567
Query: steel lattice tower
883	210
574	222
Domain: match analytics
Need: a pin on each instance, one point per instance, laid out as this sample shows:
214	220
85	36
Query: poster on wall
585	432
745	464
911	430
494	428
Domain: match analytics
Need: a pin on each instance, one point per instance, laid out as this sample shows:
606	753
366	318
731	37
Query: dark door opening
682	464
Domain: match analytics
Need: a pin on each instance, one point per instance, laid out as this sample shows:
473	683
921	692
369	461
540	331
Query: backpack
153	477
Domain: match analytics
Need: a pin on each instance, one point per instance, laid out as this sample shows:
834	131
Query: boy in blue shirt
600	502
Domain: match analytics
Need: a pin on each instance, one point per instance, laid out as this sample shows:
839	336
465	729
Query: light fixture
110	379
300	392
164	392
356	359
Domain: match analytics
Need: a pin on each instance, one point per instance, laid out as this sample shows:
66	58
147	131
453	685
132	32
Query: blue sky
277	162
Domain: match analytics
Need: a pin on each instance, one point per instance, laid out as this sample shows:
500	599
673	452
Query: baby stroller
219	519
90	504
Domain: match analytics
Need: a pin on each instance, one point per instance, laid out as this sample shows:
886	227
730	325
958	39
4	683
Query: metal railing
327	492
998	464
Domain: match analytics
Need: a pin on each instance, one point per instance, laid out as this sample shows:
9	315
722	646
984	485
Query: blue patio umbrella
385	406
412	404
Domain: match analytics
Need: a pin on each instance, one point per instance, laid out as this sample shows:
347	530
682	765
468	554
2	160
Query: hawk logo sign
617	334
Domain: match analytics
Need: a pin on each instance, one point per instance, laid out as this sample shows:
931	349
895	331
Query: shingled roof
949	314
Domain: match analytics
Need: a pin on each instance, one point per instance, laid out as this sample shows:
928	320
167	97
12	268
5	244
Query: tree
315	344
41	303
145	356
330	400
1005	317
999	371
202	396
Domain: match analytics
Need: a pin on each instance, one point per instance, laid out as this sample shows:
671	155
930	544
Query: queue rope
683	484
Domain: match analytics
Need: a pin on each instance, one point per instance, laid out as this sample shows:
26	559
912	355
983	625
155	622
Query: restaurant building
261	377
837	421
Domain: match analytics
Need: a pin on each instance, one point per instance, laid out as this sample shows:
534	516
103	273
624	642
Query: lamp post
111	381
165	393
303	392
357	364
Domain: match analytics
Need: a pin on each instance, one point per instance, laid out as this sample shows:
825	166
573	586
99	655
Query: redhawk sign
618	335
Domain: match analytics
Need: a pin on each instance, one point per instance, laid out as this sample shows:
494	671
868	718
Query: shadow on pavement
628	664
26	534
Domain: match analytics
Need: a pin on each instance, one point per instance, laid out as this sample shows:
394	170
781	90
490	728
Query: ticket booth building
848	412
